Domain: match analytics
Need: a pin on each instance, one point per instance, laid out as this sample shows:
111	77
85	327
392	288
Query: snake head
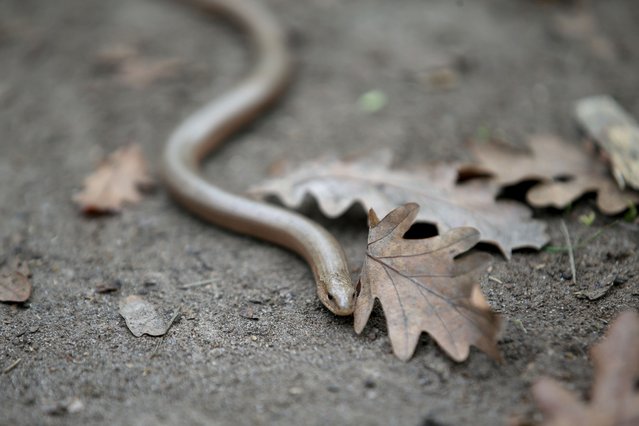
337	294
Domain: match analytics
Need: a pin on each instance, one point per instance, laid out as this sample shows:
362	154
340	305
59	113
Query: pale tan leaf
616	132
565	172
142	318
368	181
614	400
117	180
422	287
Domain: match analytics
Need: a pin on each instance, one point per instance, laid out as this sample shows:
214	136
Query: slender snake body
201	132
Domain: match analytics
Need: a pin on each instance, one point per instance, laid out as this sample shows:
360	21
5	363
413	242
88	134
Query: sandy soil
520	65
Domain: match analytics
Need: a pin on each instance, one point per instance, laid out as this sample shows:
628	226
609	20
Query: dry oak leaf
368	181
565	172
616	132
614	400
14	282
119	179
423	288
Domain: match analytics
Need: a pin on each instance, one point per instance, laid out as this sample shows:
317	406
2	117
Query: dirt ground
517	66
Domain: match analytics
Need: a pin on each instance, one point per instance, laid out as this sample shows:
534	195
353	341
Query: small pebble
296	391
619	279
332	388
566	276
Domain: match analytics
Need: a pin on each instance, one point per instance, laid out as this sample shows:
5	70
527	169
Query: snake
215	122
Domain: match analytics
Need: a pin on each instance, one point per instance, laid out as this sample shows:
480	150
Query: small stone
108	286
296	391
217	352
75	405
152	279
369	384
372	335
566	275
619	279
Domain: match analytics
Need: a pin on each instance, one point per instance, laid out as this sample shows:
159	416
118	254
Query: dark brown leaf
117	180
614	400
337	185
423	288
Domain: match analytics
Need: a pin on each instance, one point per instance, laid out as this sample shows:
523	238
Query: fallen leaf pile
564	171
14	282
614	399
118	180
423	288
337	185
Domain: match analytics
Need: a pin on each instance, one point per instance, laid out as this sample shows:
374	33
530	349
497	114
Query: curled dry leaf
614	399
118	180
368	181
14	282
565	173
142	318
422	287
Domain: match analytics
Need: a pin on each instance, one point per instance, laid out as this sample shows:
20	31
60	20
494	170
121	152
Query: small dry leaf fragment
118	180
108	286
616	132
614	399
142	318
249	312
599	288
422	287
565	172
14	282
368	181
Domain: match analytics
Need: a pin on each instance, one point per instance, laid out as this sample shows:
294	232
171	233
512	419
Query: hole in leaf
466	175
517	192
421	230
489	248
563	178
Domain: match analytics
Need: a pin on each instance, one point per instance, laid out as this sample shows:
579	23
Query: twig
175	315
13	365
197	284
157	346
495	279
571	255
581	244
